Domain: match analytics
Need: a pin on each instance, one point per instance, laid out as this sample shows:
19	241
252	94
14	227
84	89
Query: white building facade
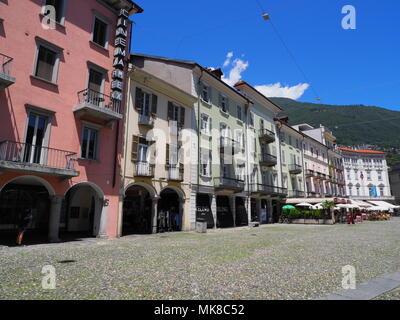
366	174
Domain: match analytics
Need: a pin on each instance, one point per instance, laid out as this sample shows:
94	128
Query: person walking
23	225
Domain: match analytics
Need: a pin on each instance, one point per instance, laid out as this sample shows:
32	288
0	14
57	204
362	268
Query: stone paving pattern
269	262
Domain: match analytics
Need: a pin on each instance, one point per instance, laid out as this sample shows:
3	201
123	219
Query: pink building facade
61	111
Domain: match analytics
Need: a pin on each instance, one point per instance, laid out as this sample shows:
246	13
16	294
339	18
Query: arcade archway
19	194
137	210
82	210
170	211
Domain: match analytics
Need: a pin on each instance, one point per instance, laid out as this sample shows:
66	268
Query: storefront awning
383	204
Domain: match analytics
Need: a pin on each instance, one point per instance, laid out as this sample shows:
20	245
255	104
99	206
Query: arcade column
54	220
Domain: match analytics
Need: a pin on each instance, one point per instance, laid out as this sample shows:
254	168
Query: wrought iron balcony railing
144	169
268	159
146	120
229	183
266	135
175	173
26	157
296	194
295	168
6	78
99	105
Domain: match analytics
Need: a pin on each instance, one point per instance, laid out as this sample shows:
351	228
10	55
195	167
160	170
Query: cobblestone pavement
269	262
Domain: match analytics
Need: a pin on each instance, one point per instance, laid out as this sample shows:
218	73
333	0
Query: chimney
217	73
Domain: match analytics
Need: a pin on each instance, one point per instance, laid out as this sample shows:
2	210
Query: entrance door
35	137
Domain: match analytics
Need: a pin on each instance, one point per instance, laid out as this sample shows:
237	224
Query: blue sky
359	66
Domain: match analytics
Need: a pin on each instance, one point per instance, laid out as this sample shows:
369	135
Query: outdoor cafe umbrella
288	207
318	206
304	204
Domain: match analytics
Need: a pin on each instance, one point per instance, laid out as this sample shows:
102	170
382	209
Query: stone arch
178	190
149	188
89	198
44	182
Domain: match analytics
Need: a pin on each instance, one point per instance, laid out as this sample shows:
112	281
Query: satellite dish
265	16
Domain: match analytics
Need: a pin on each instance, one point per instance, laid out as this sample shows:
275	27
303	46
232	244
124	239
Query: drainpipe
247	111
302	160
198	135
279	126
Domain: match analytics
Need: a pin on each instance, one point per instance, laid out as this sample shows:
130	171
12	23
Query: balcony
268	160
98	105
175	173
144	169
264	189
295	168
17	156
146	120
266	135
228	184
296	194
310	173
5	71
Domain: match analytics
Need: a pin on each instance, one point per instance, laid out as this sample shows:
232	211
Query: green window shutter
170	110
154	101
139	99
167	156
135	145
182	119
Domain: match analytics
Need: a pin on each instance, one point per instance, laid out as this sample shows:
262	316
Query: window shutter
182	119
219	100
154	101
139	99
227	105
134	151
167	156
170	110
209	94
210	163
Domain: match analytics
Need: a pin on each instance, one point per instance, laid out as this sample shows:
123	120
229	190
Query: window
145	103
239	112
205	124
282	136
205	162
251	119
205	93
46	64
59	6
95	80
283	157
89	143
35	137
380	175
223	103
290	140
100	31
241	172
176	113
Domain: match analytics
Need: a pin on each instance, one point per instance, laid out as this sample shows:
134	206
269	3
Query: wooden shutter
135	146
167	156
138	99
182	119
170	110
209	93
154	100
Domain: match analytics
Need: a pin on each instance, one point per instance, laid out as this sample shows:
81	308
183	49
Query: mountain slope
352	125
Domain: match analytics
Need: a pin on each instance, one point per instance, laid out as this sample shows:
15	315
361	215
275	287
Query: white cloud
235	74
228	59
277	90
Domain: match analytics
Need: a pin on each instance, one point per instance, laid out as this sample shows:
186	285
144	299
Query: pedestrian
23	225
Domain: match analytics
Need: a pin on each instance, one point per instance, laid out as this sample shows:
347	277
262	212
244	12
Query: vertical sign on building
120	44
